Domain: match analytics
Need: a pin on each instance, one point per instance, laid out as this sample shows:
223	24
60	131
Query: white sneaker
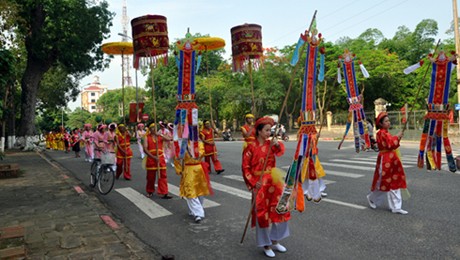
197	219
278	247
399	211
269	253
323	194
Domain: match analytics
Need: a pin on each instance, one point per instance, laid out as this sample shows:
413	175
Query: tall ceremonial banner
354	99
306	165
435	128
188	59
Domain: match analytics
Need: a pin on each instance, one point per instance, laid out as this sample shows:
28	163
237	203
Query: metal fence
415	119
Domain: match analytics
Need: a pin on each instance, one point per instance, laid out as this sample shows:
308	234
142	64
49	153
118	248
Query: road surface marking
404	160
147	205
234	191
348	166
240	178
78	189
109	222
234	177
207	203
343	174
362	162
351	205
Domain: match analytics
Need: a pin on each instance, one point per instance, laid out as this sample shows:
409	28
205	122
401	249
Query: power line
301	29
373	16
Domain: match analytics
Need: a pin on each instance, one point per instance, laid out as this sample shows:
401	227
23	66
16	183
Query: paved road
340	227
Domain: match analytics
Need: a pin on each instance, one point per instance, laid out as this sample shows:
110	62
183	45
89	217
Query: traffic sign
457	106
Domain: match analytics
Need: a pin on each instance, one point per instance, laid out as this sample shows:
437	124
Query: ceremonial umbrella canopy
151	43
209	43
247	51
119	48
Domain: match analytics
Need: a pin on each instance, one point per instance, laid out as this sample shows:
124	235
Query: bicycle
102	175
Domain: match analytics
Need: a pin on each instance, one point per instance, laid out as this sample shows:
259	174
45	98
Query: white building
91	94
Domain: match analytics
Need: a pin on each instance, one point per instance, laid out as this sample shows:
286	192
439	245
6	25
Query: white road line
368	163
404	160
148	206
343	174
207	203
356	167
234	191
234	177
352	161
240	178
355	206
348	166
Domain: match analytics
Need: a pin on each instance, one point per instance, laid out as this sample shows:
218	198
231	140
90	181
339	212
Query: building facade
91	94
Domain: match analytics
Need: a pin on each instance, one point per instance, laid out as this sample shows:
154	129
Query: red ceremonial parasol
247	51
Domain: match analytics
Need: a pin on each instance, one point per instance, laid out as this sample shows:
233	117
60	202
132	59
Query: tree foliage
59	53
65	35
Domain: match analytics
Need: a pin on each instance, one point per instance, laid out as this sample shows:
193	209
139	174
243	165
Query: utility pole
457	50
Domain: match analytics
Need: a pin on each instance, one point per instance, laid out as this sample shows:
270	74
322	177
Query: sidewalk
61	218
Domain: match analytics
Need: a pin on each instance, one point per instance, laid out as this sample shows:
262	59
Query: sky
281	21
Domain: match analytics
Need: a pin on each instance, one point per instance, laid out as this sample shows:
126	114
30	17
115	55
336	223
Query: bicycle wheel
93	179
106	179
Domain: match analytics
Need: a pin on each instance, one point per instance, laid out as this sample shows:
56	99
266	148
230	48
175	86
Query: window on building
93	107
93	100
93	94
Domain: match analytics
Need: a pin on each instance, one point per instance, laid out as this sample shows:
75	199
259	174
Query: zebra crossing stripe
344	203
343	174
146	205
247	195
405	160
348	166
240	178
368	163
234	191
207	203
234	177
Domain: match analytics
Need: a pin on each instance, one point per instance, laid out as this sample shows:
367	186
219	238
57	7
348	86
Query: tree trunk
30	82
11	118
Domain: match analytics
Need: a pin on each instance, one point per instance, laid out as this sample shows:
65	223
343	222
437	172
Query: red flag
133	117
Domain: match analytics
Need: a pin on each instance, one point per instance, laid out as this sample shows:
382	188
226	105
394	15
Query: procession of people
189	144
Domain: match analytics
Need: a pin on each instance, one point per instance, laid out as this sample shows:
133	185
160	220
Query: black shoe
220	171
166	197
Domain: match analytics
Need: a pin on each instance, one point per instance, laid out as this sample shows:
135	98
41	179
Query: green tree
56	89
78	118
68	33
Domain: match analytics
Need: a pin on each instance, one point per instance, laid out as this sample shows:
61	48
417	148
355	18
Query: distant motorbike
227	135
281	134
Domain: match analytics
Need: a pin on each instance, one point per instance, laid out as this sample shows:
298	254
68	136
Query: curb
134	245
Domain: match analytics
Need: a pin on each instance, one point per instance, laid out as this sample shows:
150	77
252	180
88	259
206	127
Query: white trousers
141	148
277	232
314	188
392	198
195	206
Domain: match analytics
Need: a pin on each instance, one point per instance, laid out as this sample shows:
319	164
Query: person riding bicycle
110	145
99	142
